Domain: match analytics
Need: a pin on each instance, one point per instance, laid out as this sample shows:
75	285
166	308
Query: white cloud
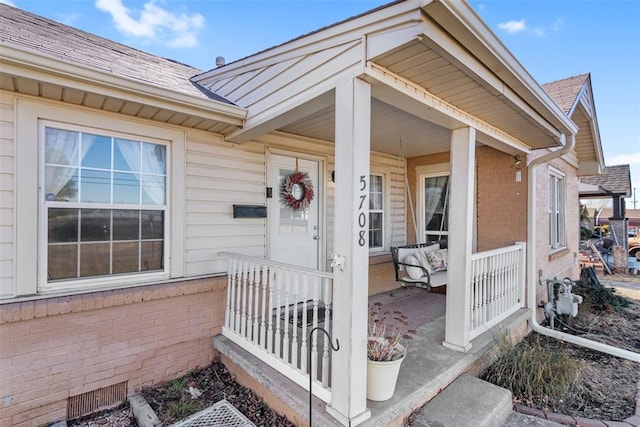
154	22
520	26
9	2
558	24
68	18
540	32
513	27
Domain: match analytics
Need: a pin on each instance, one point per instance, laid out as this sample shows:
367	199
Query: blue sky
552	39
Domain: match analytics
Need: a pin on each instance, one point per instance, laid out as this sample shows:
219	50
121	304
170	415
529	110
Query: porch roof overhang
33	73
433	66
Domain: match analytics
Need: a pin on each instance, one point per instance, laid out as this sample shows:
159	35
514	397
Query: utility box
568	304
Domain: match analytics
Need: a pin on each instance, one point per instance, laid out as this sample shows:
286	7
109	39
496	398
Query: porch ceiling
423	130
388	126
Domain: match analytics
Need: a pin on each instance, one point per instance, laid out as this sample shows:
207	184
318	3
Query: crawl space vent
221	414
95	400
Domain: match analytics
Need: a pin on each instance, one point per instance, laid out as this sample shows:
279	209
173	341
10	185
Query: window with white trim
557	203
376	211
104	204
435	196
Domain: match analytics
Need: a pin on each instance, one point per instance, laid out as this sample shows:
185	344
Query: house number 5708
362	217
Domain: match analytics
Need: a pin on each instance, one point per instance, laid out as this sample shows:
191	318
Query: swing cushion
413	272
438	259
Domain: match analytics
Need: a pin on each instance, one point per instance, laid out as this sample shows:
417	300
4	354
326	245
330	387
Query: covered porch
276	316
428	368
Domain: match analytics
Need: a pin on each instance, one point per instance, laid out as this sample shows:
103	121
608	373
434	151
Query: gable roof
565	92
574	95
616	180
418	57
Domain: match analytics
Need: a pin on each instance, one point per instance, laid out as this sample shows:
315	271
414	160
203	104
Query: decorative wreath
297	191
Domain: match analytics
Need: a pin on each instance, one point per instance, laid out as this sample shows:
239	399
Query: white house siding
220	174
6	195
217	175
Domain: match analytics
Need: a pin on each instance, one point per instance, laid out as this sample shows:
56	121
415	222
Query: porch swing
423	264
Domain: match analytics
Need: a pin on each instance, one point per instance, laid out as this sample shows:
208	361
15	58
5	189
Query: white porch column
461	199
350	298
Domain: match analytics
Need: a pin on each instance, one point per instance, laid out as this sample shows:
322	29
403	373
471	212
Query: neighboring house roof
616	180
565	92
632	214
574	95
58	56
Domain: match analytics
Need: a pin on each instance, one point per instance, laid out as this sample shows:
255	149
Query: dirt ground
608	386
607	389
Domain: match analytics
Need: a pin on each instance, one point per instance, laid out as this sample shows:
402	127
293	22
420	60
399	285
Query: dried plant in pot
385	352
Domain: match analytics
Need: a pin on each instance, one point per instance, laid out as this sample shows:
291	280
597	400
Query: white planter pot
382	378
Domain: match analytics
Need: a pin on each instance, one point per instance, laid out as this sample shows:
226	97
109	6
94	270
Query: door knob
315	237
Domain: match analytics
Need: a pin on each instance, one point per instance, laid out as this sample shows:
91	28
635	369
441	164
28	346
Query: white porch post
461	199
350	307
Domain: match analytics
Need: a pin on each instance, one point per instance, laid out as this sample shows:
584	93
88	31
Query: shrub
597	296
530	370
585	233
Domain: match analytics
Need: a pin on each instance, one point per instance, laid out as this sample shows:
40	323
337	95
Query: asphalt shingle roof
564	92
616	179
31	32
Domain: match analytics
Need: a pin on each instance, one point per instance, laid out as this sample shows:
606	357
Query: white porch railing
271	309
497	286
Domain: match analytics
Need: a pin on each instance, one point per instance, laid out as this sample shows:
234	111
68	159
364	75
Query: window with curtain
104	204
557	202
376	212
436	207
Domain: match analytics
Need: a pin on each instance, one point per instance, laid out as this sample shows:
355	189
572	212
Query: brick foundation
59	347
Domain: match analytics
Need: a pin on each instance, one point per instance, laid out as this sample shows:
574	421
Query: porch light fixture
517	162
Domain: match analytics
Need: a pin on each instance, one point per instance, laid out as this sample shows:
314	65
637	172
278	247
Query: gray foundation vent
221	414
96	400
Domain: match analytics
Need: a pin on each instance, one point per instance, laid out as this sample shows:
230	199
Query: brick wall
54	348
501	201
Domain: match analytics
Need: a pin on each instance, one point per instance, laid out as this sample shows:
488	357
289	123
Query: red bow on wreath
297	191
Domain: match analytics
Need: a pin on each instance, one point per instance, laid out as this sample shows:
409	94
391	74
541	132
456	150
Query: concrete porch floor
428	368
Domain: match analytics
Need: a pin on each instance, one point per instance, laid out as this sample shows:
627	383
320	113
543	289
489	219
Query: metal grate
91	401
221	414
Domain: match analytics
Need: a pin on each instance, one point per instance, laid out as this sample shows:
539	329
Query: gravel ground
174	401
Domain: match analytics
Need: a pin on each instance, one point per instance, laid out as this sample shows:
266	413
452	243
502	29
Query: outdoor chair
605	247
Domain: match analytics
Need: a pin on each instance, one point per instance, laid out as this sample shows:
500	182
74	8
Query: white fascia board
378	21
56	71
519	76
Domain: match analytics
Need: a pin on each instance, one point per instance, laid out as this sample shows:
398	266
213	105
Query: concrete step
468	401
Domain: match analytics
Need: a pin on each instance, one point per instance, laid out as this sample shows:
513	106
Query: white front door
294	234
